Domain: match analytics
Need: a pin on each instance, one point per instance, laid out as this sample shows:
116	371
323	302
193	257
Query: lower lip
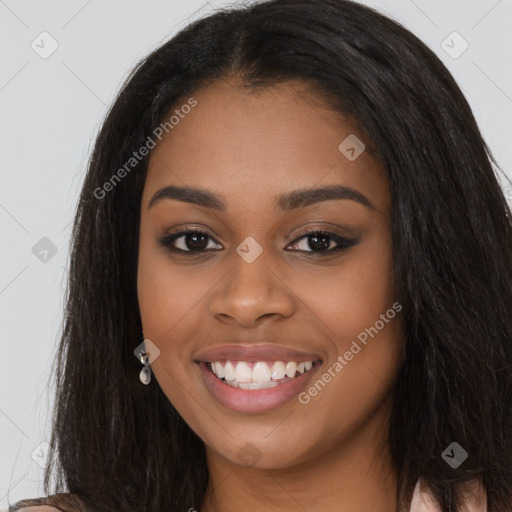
256	400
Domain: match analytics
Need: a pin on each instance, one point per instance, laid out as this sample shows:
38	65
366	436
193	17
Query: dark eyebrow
190	195
309	196
288	201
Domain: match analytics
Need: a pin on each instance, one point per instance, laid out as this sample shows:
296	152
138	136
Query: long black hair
119	445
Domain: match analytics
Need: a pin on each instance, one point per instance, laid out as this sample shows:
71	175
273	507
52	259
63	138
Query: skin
328	455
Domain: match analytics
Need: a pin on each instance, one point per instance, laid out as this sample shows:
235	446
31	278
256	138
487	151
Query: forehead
250	145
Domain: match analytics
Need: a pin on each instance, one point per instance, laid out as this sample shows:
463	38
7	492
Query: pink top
422	501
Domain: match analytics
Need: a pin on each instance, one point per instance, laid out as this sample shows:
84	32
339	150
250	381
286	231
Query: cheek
354	304
350	296
363	322
167	292
362	292
168	296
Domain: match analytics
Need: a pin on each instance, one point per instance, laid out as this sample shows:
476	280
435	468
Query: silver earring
145	373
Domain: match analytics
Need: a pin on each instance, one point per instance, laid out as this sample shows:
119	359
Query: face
283	281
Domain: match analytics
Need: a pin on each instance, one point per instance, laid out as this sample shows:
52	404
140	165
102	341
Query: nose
251	292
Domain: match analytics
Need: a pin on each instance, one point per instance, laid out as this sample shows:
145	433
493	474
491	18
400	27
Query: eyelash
343	243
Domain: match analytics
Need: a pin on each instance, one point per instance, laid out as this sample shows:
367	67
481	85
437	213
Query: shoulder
423	501
62	502
34	505
38	508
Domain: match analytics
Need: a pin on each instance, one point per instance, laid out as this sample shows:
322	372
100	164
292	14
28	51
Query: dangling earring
145	351
145	373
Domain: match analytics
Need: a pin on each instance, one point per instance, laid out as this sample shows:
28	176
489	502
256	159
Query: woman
291	205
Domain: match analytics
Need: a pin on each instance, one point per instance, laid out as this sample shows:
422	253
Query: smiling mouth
260	374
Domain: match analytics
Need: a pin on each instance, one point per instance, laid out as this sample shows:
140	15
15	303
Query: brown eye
319	242
189	240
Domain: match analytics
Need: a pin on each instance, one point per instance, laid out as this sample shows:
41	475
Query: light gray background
50	110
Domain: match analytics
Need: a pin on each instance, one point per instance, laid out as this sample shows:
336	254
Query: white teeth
253	385
229	371
291	368
218	370
260	372
243	372
240	374
278	370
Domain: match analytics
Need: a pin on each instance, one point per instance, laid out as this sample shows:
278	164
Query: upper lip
255	353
